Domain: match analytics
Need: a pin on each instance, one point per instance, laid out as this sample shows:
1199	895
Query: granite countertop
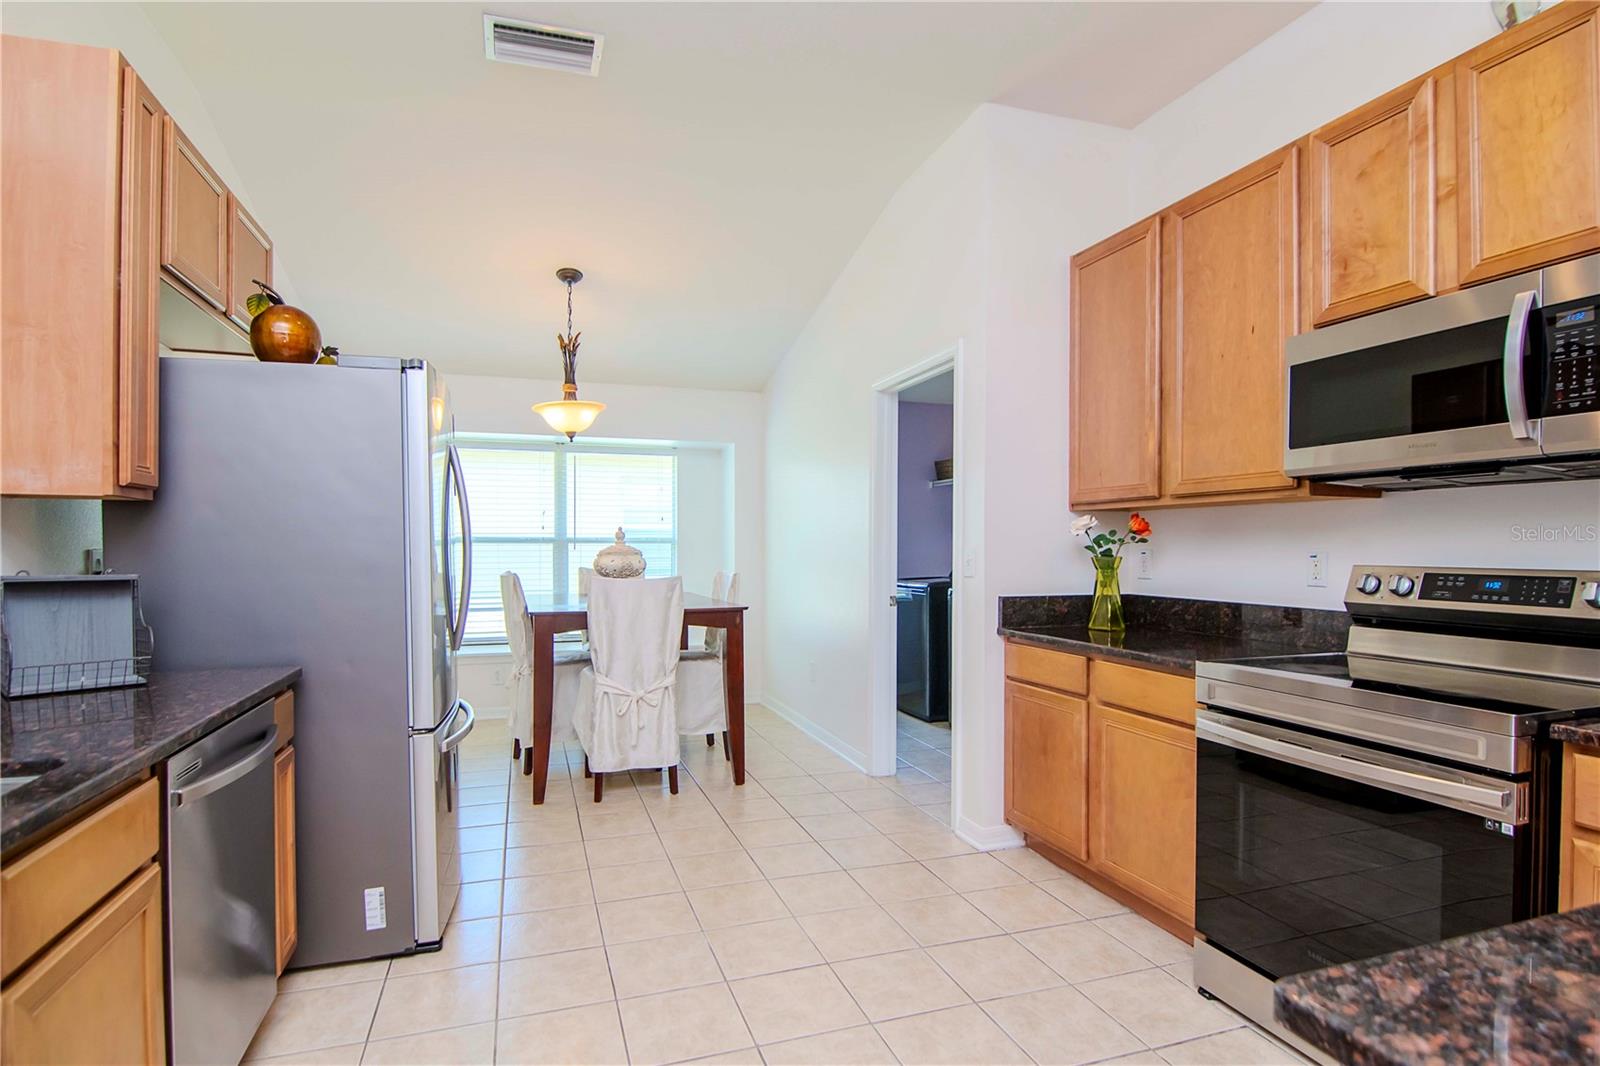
90	742
1174	633
1585	731
1525	993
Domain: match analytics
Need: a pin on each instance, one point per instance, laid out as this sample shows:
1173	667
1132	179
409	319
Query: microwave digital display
1572	380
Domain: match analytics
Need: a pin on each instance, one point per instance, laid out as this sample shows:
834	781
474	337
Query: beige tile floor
815	915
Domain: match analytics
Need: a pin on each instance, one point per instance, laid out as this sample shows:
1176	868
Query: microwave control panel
1573	383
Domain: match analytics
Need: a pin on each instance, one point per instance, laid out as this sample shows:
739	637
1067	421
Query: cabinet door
283	821
1229	291
1115	420
194	235
1372	197
138	350
98	995
251	259
1142	806
1528	144
1581	877
1047	754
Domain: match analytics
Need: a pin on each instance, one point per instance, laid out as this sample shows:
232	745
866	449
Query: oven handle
1522	308
1490	801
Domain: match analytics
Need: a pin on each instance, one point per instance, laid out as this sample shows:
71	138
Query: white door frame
881	568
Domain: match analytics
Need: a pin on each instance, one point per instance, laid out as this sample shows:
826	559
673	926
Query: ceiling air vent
535	45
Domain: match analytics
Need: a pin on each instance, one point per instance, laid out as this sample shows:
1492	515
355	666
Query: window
544	510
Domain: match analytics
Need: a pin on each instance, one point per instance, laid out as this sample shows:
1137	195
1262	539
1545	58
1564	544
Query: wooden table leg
544	696
733	690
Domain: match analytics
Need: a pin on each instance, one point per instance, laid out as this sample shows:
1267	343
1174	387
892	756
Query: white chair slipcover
702	701
569	665
626	715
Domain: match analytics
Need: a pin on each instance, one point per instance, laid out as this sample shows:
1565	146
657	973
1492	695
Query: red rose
1138	526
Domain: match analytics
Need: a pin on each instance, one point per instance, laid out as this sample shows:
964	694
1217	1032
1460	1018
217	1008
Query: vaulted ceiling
712	181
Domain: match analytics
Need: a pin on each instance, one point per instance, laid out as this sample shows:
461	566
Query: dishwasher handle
250	760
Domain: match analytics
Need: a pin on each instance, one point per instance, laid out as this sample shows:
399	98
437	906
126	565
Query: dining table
551	617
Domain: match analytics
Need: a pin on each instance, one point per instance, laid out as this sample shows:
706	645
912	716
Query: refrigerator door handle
460	627
446	563
454	737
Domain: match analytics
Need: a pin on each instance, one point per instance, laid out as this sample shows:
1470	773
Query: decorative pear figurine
280	333
620	559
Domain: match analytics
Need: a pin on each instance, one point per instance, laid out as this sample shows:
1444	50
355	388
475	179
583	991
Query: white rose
1082	525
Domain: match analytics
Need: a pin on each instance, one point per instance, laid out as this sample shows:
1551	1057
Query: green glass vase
1106	614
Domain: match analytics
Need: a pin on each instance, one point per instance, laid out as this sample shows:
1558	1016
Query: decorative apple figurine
280	333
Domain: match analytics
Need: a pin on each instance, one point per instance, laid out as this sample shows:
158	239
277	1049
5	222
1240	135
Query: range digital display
1554	592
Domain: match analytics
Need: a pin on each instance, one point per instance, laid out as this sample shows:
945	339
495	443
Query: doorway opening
918	602
924	573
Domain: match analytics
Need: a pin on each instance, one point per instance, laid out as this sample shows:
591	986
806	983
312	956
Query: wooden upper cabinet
1371	206
1115	422
80	185
138	399
251	258
1230	297
1047	761
1528	144
197	221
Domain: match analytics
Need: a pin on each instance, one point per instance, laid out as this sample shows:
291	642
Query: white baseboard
816	732
988	837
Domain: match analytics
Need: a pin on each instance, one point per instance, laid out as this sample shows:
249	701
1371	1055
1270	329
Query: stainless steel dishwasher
221	889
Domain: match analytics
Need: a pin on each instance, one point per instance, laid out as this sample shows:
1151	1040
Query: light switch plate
1146	564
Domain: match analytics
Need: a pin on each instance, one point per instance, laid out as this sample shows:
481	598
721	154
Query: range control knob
1370	584
1401	585
1591	594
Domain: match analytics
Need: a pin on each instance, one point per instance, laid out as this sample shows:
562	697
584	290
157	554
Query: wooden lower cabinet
1047	754
1142	806
1101	779
97	996
1580	828
284	858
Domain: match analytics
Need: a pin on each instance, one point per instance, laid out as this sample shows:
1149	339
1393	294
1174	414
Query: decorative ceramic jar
620	559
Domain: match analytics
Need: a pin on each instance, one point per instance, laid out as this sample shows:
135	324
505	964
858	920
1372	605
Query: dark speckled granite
1174	633
101	739
1526	993
1585	732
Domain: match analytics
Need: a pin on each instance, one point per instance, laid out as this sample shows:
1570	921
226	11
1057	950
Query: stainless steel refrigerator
316	516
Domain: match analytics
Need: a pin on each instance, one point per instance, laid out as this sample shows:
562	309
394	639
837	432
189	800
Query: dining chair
724	586
626	714
569	665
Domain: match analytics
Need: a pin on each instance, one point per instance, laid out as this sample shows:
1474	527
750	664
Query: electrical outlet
969	564
1317	570
500	677
1146	568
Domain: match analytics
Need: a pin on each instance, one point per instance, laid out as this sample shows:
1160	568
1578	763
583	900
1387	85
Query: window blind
544	510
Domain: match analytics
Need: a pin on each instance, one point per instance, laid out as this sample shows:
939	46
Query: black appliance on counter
1399	794
922	647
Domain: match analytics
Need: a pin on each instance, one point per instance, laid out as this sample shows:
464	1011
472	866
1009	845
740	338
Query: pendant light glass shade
570	416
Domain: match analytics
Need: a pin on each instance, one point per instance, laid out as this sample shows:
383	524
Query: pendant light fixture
569	414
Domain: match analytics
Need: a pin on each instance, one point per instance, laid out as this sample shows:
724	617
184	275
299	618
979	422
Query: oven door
1446	381
1312	852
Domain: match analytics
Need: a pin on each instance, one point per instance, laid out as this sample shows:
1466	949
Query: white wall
1334	58
51	535
720	487
973	248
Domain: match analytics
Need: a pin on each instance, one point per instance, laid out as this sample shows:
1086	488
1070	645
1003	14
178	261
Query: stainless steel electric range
1398	794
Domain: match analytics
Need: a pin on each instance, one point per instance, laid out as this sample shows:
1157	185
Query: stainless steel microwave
1499	382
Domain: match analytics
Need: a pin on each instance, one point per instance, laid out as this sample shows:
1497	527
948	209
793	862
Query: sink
16	773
